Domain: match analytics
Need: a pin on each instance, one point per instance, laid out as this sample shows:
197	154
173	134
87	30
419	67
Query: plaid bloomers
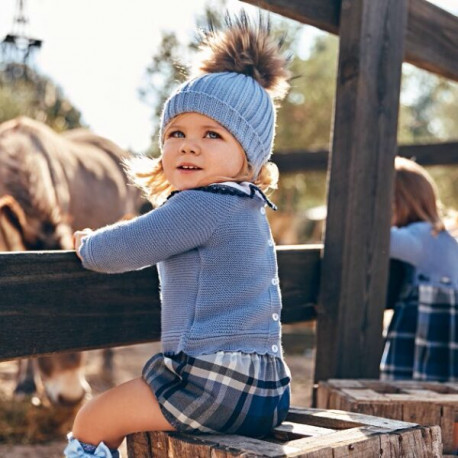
225	392
422	339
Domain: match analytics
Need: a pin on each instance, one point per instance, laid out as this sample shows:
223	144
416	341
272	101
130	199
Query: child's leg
127	408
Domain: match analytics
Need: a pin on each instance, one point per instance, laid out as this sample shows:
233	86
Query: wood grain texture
425	403
432	33
424	154
315	433
49	303
355	259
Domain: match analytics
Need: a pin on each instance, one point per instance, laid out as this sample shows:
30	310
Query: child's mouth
188	168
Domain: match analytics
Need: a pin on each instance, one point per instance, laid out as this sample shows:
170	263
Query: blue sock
86	449
89	448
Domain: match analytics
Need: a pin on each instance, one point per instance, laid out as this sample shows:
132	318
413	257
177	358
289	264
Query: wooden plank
425	154
323	14
356	436
288	428
432	39
424	403
432	33
49	303
338	419
355	260
299	271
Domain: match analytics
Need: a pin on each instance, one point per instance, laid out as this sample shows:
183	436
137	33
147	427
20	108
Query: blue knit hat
234	100
241	71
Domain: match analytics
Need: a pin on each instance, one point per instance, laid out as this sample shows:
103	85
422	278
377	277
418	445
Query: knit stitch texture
217	268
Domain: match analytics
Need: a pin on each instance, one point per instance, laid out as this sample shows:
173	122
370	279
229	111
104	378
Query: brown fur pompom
247	48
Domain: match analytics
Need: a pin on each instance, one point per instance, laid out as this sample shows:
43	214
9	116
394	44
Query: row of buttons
275	316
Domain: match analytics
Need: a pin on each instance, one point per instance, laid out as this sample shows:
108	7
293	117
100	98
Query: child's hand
77	237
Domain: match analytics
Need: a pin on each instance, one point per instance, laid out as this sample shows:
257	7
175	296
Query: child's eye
175	134
212	134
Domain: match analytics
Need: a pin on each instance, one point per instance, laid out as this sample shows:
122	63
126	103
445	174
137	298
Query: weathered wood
355	260
425	154
432	33
314	433
49	303
432	39
425	403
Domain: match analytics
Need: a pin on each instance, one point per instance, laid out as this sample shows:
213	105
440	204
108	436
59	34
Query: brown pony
51	185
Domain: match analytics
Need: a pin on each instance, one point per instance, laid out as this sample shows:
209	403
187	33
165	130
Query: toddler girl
221	368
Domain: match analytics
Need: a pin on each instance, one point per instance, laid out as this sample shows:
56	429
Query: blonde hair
415	196
148	175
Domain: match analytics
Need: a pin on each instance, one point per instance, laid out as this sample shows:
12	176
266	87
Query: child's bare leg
127	408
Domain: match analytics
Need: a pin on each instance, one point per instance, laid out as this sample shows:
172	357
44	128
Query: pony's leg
127	408
108	365
25	380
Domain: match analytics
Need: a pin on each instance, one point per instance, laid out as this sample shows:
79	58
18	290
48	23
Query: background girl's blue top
435	257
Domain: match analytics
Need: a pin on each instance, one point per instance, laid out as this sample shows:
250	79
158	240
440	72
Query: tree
25	92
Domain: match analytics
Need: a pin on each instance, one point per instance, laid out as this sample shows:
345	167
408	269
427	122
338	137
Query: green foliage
304	119
429	107
24	92
162	76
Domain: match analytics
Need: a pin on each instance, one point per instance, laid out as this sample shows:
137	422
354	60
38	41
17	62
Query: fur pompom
247	48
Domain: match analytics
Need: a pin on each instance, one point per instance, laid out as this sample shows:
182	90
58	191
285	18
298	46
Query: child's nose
190	146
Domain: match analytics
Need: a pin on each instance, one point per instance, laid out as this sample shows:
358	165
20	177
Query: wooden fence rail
431	39
445	153
49	303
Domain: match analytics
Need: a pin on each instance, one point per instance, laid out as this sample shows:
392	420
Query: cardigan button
274	348
275	316
262	210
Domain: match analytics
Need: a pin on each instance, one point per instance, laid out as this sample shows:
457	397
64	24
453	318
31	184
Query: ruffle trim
232	191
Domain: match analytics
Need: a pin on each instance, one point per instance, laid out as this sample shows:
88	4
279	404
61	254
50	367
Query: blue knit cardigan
217	266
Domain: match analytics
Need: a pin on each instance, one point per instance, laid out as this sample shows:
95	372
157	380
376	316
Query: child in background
221	368
422	337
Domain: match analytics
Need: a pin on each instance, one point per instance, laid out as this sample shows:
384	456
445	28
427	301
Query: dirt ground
128	364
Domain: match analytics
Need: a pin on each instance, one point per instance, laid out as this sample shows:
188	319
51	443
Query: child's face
197	151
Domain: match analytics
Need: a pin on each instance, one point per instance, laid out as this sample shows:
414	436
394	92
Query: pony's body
51	185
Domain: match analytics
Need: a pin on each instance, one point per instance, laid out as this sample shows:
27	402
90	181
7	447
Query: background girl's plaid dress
422	339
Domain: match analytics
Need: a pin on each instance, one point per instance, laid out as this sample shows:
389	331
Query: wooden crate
426	403
311	433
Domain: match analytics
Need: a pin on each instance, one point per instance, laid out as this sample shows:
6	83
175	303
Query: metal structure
18	46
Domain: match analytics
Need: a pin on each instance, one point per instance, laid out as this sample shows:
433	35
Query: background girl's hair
415	195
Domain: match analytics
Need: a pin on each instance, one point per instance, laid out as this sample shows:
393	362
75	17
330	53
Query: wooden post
355	260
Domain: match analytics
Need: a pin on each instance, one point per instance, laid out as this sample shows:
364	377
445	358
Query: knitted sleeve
184	222
406	245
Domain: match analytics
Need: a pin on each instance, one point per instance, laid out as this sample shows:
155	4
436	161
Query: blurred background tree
23	91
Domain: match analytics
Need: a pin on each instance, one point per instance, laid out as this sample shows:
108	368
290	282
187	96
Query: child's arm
405	245
183	223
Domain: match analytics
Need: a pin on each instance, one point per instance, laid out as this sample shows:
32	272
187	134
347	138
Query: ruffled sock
77	449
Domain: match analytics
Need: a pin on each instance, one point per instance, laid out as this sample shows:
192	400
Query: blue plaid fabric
225	392
422	339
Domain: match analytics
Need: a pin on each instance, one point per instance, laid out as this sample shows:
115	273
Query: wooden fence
49	303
